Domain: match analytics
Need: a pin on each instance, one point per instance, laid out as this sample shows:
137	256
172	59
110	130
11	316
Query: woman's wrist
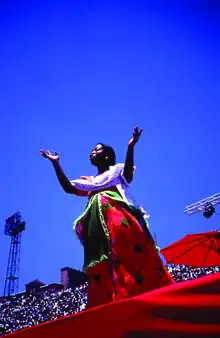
55	162
130	146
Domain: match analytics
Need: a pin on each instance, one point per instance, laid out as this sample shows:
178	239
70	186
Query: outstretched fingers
140	131
43	153
137	132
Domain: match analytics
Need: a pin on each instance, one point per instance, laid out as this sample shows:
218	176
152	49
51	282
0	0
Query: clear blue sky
74	73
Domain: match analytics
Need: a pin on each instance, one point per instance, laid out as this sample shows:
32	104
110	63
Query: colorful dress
120	255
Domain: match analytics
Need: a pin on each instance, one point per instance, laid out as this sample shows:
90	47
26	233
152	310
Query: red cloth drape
186	309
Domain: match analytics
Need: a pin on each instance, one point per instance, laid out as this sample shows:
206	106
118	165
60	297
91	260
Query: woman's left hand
136	136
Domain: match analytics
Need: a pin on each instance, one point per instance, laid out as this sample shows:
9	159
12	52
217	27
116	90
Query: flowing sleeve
79	192
122	173
108	179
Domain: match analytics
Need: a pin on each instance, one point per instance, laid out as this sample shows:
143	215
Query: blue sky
74	73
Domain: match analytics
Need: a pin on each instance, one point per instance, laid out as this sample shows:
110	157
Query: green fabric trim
102	219
115	196
92	199
93	220
94	262
96	217
124	222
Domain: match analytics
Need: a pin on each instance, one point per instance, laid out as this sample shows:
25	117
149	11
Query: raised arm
129	161
64	181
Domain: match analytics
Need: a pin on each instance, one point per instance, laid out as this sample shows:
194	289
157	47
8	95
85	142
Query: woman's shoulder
118	166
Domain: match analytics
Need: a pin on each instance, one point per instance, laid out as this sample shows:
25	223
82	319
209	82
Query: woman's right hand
53	158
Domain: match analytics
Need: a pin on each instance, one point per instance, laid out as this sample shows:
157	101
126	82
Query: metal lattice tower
14	226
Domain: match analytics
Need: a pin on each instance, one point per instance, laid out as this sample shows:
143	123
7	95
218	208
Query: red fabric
182	310
135	266
199	250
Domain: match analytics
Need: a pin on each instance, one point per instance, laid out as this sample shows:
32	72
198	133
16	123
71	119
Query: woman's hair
110	153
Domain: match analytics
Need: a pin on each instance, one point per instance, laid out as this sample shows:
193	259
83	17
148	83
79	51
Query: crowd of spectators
24	310
21	311
182	272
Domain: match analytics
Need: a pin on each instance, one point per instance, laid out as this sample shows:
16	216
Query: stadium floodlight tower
206	205
14	226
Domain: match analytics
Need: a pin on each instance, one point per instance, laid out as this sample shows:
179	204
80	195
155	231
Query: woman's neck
102	168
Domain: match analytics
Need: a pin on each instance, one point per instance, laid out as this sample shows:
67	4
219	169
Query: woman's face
97	155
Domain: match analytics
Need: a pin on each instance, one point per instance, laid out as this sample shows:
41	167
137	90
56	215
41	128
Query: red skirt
129	264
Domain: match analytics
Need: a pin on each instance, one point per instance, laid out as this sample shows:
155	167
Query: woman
121	258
